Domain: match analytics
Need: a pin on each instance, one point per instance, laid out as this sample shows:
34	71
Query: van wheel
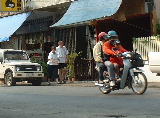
9	80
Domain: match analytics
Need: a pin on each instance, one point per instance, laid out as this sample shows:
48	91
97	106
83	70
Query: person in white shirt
52	65
63	60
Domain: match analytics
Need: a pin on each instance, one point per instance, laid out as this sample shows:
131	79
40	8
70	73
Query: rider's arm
107	48
122	49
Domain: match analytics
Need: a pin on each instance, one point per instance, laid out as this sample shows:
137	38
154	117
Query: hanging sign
11	5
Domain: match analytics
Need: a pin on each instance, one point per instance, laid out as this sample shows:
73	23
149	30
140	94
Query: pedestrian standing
52	65
63	60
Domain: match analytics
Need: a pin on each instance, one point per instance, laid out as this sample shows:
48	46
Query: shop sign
11	5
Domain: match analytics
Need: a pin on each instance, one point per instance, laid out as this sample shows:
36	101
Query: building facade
35	33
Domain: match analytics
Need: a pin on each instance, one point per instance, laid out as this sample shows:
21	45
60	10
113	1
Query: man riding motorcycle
107	49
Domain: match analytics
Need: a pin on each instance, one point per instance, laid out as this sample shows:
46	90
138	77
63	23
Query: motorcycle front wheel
140	84
104	89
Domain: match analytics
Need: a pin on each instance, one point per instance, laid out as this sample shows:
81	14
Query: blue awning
85	10
9	24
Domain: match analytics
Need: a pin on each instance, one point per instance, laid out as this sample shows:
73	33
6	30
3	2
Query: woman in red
116	60
108	52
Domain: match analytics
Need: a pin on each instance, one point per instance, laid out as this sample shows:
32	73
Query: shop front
126	17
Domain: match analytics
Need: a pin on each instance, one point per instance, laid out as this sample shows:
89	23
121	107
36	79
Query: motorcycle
130	75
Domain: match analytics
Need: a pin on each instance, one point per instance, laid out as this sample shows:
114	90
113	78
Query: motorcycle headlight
128	55
38	68
17	68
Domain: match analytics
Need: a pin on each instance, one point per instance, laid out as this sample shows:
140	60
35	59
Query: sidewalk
76	83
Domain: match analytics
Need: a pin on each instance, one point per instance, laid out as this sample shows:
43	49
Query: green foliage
70	65
42	63
144	42
134	40
158	28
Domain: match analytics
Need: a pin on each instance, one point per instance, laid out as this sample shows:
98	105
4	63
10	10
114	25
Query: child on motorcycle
116	59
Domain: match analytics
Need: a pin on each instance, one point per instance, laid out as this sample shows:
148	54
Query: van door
1	65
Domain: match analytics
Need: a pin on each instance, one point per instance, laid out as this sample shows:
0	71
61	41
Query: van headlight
17	68
38	68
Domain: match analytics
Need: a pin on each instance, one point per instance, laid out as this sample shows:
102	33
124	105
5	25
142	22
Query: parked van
154	62
15	66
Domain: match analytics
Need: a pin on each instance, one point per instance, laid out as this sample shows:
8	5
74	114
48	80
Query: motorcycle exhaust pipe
98	84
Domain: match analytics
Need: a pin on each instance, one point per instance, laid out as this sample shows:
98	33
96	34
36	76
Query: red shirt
108	49
115	59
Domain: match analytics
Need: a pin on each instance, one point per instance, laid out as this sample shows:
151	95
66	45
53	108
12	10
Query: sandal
63	82
49	83
59	82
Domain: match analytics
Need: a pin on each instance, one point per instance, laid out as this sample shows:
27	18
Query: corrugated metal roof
86	10
8	25
39	14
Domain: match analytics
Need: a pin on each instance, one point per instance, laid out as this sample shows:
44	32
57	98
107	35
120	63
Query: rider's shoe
112	83
100	81
118	79
106	80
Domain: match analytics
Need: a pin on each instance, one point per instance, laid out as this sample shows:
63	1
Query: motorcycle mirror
135	50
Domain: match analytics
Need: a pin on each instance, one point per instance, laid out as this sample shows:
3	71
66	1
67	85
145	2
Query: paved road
76	102
83	84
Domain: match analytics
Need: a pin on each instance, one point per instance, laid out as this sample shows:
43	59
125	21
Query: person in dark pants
63	60
117	60
98	55
108	52
52	65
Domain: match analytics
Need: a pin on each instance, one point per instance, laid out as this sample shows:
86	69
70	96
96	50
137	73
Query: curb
92	84
79	83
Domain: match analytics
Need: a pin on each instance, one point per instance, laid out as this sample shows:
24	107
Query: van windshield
15	55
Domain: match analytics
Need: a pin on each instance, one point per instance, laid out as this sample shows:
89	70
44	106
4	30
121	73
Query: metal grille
28	68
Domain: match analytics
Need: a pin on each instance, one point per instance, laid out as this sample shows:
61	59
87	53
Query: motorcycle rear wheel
141	83
104	90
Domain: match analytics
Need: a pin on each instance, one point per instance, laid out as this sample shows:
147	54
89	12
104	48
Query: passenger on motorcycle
108	52
117	60
98	54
